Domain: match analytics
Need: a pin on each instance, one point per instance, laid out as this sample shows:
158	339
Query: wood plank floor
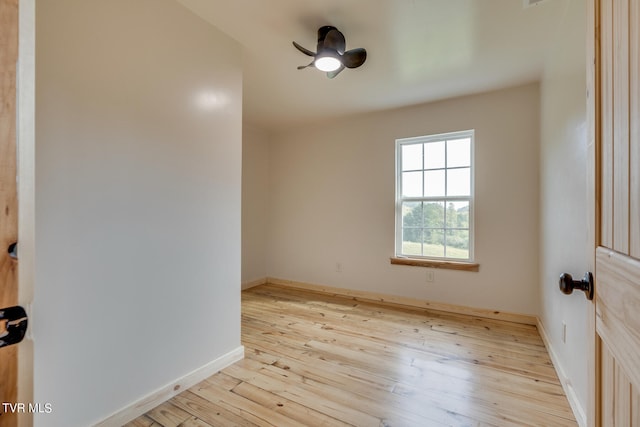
321	360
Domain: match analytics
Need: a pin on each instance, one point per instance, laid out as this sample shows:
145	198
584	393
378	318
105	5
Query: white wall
255	202
563	207
332	189
138	190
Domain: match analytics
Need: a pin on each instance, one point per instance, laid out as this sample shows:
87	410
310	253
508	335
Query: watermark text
27	408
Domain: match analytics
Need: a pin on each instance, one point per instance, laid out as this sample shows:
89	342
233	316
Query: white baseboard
576	407
166	392
253	283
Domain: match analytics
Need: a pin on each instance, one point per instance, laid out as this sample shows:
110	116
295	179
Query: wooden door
614	117
8	196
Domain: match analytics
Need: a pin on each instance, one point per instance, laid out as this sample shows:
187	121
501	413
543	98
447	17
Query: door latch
15	323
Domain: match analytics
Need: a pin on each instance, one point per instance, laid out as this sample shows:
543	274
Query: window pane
412	215
412	184
434	215
434	155
412	157
458	244
433	243
434	183
458	215
458	153
409	245
458	182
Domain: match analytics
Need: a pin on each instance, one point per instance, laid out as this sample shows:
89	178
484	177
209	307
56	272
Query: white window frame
400	199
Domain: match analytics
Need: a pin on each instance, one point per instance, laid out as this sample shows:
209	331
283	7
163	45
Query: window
434	197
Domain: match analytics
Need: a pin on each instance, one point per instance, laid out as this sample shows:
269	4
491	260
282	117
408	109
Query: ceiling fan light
327	63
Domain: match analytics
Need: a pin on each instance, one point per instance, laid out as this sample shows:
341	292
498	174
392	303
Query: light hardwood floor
321	360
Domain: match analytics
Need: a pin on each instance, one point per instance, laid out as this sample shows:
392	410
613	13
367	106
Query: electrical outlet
564	333
430	276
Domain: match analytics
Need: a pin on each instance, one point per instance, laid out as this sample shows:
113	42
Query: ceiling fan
331	56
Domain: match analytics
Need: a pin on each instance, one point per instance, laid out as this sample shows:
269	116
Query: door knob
13	250
567	284
15	323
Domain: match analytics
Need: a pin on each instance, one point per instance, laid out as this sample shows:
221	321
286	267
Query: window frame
399	199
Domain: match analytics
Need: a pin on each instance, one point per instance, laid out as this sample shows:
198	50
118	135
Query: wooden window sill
450	265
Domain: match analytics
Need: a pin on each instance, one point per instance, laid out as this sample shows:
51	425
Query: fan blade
322	34
332	74
354	58
304	49
302	67
335	40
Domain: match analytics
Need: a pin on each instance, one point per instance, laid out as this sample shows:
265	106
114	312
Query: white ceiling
418	51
